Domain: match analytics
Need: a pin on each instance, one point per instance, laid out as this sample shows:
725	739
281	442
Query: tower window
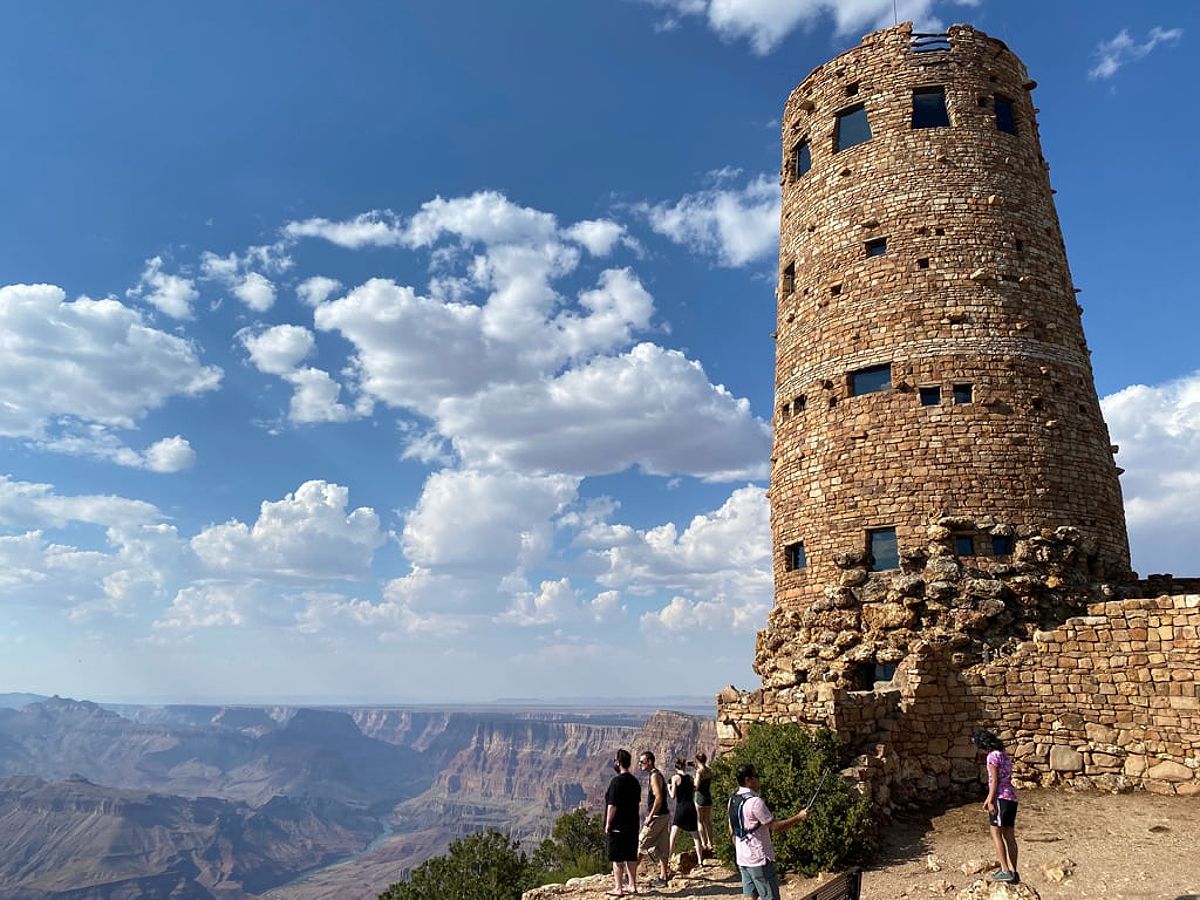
1005	120
788	281
835	290
923	262
962	393
964	545
876	247
852	128
793	557
852	89
931	395
800	403
882	550
871	380
801	159
929	108
785	412
1001	545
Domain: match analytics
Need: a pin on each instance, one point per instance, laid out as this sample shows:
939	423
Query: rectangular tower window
929	108
800	403
882	551
964	545
1001	545
785	412
962	393
788	282
871	380
852	128
931	396
793	556
876	247
1005	120
801	159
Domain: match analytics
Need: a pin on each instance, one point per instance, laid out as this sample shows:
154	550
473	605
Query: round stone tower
931	364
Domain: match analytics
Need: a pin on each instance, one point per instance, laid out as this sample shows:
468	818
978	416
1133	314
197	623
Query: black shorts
1005	815
623	845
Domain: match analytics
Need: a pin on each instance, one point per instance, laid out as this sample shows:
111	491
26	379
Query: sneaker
1004	876
1016	879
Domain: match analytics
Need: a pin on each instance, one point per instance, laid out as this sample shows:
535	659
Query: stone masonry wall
1110	699
972	288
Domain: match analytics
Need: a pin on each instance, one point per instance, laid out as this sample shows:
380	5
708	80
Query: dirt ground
1083	846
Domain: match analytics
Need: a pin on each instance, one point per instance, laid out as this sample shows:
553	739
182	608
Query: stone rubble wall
1110	699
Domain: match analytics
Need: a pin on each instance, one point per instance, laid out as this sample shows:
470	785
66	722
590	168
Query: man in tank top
655	839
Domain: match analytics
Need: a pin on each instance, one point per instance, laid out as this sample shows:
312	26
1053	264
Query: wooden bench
845	886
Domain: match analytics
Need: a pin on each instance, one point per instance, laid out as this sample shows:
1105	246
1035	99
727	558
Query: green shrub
790	761
575	848
482	866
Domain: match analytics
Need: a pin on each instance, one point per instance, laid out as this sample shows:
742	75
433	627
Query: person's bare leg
674	837
705	815
618	885
1001	849
631	868
1010	844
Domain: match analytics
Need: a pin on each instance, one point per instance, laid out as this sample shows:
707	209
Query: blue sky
379	351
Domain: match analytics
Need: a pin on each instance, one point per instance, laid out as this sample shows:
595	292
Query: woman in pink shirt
1000	805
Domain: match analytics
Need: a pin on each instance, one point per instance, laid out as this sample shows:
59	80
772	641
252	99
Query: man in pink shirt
755	854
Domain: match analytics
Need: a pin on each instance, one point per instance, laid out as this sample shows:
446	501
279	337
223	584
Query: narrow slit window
962	393
1005	119
1002	545
876	247
883	553
964	545
794	558
852	128
788	281
931	395
801	159
929	108
871	380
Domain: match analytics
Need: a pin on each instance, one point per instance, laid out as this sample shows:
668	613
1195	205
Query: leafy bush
575	848
483	866
790	761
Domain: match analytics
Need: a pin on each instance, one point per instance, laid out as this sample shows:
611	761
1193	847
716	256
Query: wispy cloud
1122	49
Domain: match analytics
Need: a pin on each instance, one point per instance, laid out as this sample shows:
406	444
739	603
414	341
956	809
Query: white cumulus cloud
735	225
765	23
1157	428
308	534
96	361
171	294
1112	54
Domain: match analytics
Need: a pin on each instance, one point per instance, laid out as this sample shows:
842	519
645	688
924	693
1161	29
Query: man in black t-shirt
621	802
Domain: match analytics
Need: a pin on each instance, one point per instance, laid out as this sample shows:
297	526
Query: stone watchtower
943	486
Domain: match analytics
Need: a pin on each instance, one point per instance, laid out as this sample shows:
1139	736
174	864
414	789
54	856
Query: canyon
105	802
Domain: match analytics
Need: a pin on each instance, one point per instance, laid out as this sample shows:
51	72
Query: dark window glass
852	128
789	279
931	396
872	380
884	555
1005	120
1002	546
964	545
793	556
802	158
962	393
800	403
876	247
885	671
929	108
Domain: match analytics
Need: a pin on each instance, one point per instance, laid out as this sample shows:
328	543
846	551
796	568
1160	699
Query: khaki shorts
655	838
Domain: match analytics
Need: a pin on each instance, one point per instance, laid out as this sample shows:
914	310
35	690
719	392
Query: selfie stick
817	792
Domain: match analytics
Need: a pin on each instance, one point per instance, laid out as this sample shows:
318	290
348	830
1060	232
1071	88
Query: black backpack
737	822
